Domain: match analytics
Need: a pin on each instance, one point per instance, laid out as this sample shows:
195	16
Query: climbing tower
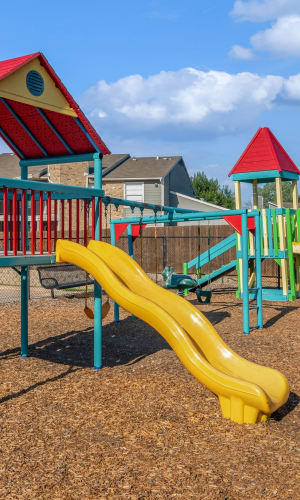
265	160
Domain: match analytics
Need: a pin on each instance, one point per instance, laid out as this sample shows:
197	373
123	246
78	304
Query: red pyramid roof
80	136
264	152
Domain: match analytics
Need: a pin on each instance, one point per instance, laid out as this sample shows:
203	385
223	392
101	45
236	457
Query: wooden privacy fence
178	244
175	245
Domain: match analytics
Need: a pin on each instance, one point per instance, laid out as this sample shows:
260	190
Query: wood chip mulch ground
142	427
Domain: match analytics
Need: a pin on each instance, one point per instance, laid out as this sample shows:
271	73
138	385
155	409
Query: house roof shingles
143	168
9	167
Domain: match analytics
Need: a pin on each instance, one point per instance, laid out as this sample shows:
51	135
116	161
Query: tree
210	190
268	192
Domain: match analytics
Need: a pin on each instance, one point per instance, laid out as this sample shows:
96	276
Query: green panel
298	222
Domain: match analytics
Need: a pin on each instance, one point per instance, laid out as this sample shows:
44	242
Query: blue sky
195	78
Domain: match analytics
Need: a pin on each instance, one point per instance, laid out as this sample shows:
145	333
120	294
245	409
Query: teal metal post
245	274
24	311
258	272
97	287
24	294
113	242
130	242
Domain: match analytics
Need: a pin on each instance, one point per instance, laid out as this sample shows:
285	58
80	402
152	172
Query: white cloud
239	52
187	104
264	10
283	38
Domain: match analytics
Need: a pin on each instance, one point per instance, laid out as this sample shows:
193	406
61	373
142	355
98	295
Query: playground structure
43	125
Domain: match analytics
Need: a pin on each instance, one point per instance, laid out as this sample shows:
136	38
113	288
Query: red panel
264	152
17	134
71	132
136	230
39	128
235	221
119	230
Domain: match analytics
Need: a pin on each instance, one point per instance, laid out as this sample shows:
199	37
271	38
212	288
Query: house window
134	192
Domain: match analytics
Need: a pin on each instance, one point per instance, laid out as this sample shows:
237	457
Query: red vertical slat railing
49	246
62	229
11	232
93	218
85	221
55	223
24	221
5	229
32	206
41	221
70	219
18	224
77	221
15	244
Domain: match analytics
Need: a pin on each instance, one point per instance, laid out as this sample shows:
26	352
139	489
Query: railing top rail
49	187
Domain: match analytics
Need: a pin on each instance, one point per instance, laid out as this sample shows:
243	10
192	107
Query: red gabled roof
264	152
67	127
11	65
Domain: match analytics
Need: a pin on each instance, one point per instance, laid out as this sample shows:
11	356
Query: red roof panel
264	152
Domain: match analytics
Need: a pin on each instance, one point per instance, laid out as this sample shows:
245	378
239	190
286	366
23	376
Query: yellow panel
248	392
14	87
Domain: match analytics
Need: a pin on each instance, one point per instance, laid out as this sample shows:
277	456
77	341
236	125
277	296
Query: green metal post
185	271
290	254
97	287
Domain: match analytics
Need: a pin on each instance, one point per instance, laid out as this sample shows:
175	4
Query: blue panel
264	176
35	83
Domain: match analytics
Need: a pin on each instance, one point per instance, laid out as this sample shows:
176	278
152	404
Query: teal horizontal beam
107	200
27	260
281	254
59	159
50	188
190	216
264	176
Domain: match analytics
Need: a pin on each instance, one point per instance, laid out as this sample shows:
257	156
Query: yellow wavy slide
248	393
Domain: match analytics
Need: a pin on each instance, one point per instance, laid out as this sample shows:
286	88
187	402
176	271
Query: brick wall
73	174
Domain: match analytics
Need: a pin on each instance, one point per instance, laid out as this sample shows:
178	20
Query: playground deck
142	427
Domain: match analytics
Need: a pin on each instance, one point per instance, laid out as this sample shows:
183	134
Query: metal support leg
24	311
